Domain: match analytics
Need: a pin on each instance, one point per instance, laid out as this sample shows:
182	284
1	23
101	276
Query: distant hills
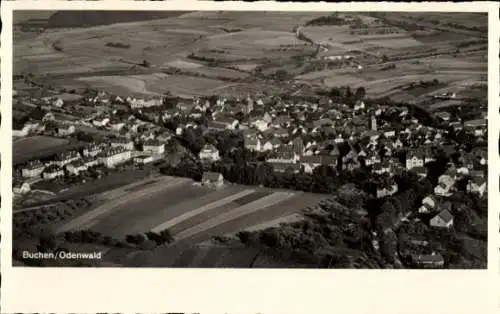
70	19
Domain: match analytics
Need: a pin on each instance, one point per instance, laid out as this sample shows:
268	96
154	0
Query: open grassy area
33	147
209	52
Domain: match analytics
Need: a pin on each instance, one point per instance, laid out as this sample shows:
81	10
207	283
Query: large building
153	147
115	156
33	169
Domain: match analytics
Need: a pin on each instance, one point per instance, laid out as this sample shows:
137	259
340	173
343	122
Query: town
384	150
284	175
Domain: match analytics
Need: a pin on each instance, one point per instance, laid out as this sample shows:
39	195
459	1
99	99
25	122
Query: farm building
212	179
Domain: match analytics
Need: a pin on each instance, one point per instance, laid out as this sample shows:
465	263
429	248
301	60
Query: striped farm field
192	213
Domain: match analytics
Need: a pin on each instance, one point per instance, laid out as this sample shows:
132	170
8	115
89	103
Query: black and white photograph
249	157
215	139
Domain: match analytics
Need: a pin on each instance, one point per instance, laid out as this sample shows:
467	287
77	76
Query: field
212	52
192	213
35	146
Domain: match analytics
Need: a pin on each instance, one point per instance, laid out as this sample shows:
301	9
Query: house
77	166
209	153
442	220
143	159
153	147
286	167
434	260
284	156
253	143
115	156
21	188
414	159
90	161
65	158
312	162
33	169
212	179
429	204
100	122
477	185
442	190
93	150
124	143
387	191
52	172
65	130
380	168
116	125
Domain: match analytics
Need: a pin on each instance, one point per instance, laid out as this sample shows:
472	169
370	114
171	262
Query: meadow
211	52
192	213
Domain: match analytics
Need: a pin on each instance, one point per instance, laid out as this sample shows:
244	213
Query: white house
33	169
143	159
52	172
209	152
76	167
65	158
153	147
414	160
429	204
100	122
387	191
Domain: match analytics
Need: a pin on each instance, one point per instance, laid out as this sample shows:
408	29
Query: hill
63	19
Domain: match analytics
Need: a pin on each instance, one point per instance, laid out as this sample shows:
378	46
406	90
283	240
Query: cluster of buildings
75	162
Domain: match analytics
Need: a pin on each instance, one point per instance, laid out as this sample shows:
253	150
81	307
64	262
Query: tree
360	93
166	237
47	243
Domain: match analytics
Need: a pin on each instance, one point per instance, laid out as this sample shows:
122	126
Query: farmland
192	213
202	53
36	147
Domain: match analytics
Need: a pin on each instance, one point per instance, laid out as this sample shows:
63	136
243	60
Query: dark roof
445	215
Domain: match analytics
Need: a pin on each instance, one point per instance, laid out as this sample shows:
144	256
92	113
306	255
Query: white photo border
148	290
